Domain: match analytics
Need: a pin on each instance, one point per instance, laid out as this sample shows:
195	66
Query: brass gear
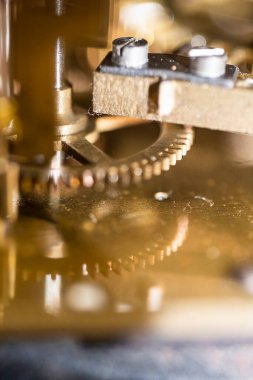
95	169
149	256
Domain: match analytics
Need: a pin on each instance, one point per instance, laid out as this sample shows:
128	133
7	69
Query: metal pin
208	62
130	52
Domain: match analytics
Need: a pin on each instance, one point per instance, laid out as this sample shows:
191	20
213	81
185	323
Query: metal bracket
168	67
177	89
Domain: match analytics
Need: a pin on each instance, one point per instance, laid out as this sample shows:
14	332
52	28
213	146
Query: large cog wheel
93	169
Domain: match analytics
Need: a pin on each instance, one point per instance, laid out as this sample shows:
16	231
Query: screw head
208	62
130	52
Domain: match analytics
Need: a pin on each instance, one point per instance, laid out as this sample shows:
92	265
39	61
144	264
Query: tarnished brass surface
166	253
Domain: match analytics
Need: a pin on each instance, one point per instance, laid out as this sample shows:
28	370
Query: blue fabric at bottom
67	359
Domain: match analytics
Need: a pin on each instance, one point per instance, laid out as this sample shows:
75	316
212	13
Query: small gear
94	170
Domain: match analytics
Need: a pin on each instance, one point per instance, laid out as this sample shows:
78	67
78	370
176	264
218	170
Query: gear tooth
94	270
182	147
189	143
177	151
74	181
100	174
117	267
186	129
106	269
124	174
113	175
185	135
129	265
97	268
88	178
136	171
172	156
165	161
156	165
157	168
159	254
144	161
165	164
100	178
147	171
190	138
184	144
139	261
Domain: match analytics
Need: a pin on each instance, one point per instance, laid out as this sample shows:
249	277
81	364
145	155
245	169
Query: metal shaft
59	63
5	37
34	68
59	10
60	7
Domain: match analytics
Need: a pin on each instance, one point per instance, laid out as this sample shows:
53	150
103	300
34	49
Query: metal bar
197	104
5	41
83	151
59	63
60	7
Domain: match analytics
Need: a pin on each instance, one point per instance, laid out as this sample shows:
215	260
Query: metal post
5	37
59	63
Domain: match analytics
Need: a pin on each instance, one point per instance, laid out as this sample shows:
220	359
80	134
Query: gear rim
171	146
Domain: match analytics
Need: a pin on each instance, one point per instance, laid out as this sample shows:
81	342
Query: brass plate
100	264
